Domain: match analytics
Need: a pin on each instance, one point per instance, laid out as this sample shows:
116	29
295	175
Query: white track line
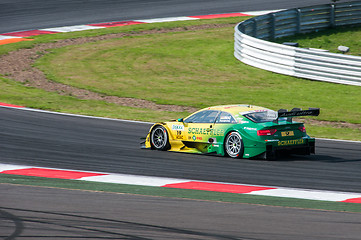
299	193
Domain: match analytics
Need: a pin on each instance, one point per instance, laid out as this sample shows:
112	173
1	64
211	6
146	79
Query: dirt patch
17	66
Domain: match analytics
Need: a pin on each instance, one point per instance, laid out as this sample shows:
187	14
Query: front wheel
159	138
234	145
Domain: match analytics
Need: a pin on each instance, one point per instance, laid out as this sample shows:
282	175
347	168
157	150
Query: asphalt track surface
48	140
123	216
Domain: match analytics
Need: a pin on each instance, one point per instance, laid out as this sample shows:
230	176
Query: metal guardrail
251	45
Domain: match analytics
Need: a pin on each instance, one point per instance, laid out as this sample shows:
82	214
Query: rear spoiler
297	112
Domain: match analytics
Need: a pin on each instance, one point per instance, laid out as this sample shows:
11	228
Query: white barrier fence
252	48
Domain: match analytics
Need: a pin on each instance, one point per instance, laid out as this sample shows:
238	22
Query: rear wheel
234	145
159	138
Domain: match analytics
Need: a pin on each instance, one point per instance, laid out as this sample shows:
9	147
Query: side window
206	116
225	117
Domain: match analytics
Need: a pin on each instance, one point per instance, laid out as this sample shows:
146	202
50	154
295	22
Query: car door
199	127
223	122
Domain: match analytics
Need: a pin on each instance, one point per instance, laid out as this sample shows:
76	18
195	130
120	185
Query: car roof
236	108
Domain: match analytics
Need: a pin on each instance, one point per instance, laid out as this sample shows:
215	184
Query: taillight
302	129
267	132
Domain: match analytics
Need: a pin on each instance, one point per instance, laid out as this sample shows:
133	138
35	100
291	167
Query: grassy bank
330	39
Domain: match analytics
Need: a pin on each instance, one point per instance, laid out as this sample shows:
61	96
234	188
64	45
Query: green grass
189	68
180	193
330	39
16	93
334	133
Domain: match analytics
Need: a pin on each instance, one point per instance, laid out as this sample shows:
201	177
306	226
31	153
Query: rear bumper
274	149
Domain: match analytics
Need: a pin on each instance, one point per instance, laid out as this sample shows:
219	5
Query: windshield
262	116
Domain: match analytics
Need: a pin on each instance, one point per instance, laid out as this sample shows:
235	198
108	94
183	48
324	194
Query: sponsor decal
206	131
298	113
196	138
248	128
180	137
225	119
178	127
291	142
287	133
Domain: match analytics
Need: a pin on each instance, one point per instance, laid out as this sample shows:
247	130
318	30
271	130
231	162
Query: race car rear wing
297	112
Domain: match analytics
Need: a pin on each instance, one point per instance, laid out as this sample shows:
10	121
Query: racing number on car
179	134
178	131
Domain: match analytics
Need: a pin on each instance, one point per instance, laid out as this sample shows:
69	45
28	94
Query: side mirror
180	120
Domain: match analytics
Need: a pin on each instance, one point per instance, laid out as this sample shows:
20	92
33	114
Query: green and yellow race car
237	131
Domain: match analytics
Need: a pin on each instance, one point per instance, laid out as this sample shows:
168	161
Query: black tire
159	138
233	145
